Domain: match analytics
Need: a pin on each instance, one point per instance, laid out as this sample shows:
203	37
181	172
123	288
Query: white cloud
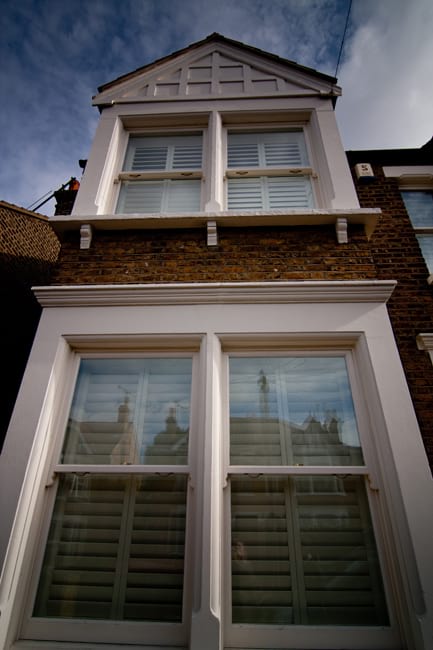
387	77
55	55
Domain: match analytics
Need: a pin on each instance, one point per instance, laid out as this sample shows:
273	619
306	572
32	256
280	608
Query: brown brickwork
28	250
242	255
397	256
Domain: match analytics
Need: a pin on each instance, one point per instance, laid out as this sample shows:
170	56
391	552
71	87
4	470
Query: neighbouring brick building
28	252
227	411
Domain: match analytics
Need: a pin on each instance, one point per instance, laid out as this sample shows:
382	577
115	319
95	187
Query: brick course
397	256
242	255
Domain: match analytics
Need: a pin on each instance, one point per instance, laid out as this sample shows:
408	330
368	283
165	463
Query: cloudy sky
54	54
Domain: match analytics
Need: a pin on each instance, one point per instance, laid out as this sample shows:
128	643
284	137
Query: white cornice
374	291
411	176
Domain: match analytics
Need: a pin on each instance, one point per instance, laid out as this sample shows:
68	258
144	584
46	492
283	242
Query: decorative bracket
341	230
212	234
85	235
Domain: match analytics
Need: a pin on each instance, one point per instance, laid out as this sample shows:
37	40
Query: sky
55	54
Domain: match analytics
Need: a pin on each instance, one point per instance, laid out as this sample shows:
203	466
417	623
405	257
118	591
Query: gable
217	68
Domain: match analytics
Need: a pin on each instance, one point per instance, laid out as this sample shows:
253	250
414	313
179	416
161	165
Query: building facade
215	441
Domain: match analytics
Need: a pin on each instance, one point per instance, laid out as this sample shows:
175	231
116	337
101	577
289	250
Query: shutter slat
271	192
167	195
279	523
132	567
266	149
164	153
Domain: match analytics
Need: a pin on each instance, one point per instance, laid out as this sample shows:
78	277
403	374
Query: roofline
215	36
410	156
24	211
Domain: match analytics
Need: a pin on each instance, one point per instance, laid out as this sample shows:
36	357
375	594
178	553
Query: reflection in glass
292	411
130	411
303	552
115	549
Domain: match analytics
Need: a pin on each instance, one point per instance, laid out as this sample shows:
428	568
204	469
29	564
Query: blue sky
55	54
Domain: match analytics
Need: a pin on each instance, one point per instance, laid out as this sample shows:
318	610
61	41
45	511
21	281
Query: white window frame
414	178
115	631
271	171
312	636
220	319
214	174
422	231
163	177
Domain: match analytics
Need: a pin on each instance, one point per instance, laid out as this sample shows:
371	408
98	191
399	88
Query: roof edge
214	37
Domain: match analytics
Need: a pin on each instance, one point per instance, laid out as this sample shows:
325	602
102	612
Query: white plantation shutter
115	549
168	195
303	549
303	553
162	154
267	149
269	193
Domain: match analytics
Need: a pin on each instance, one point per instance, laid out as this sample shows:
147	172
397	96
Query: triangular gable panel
216	69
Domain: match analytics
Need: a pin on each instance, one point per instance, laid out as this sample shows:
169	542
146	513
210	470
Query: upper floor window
161	174
419	205
268	170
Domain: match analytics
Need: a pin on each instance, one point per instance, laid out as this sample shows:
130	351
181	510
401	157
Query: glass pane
426	245
163	153
183	196
115	549
141	197
130	411
303	552
420	208
266	149
292	411
149	197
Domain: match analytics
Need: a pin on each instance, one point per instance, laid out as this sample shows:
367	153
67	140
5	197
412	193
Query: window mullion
170	156
121	571
295	555
165	195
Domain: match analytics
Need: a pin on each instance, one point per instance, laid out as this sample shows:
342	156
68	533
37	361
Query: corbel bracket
85	235
341	230
212	234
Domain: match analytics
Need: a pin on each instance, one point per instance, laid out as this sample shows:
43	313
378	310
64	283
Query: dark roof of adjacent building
421	156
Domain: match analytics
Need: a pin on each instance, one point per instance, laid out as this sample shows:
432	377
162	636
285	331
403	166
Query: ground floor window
303	546
116	544
147	450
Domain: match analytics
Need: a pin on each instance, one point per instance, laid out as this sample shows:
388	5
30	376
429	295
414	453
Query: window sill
229	219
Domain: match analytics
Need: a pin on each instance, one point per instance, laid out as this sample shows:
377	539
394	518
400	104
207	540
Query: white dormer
217	128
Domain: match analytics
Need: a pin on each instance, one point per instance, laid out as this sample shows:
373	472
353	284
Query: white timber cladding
214	89
216	325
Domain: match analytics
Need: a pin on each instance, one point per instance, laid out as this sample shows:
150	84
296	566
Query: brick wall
242	255
397	256
278	253
28	251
